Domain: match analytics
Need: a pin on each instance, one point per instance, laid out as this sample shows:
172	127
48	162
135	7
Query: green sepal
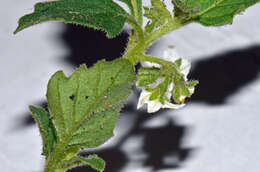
46	128
158	14
178	62
212	12
176	92
159	91
182	89
185	91
191	84
155	94
147	76
93	161
98	14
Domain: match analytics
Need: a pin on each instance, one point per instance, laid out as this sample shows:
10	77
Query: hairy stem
138	43
171	25
54	158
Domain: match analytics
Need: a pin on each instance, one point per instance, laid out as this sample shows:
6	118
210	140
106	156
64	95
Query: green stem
136	27
135	53
173	24
53	160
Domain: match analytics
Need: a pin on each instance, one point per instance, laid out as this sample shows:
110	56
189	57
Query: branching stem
138	43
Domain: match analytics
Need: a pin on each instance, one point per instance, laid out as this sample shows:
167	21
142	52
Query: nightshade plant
84	107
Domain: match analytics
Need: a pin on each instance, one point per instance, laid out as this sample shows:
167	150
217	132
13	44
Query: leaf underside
98	14
86	105
211	12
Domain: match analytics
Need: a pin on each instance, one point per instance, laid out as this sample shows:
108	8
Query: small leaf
92	160
98	14
46	128
211	12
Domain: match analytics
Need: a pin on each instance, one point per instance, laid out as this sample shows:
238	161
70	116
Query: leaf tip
16	31
31	108
83	67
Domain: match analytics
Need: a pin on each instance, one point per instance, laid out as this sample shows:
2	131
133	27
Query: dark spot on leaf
44	9
112	78
86	97
72	97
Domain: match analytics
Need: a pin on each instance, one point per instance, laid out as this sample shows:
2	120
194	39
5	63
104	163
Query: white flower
155	105
152	106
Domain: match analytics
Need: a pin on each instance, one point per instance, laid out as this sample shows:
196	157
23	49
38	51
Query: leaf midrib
214	5
75	127
208	9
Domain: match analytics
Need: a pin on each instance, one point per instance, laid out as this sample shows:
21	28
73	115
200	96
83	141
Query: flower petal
185	68
149	64
191	90
144	98
153	106
172	106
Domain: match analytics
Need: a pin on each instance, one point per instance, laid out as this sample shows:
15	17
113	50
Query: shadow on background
223	75
220	76
88	46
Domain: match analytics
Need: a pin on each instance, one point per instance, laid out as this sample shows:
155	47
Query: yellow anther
183	101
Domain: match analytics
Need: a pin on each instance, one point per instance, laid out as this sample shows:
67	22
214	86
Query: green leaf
86	105
138	5
98	14
46	128
158	14
211	12
92	160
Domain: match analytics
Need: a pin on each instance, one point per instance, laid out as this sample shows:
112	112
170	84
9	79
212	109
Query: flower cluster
167	87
